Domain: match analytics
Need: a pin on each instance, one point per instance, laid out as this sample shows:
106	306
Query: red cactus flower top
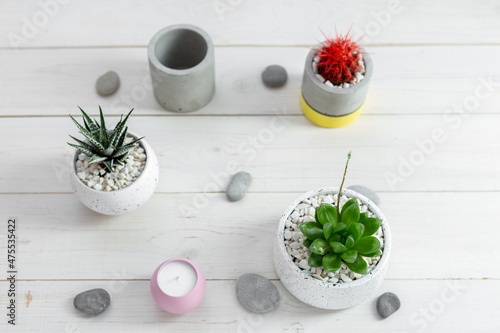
339	59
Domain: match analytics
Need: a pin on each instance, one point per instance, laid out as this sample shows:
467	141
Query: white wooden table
431	59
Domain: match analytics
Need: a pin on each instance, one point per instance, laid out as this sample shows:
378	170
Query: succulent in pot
335	83
332	248
115	171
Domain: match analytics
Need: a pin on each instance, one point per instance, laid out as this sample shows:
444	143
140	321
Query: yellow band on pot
328	121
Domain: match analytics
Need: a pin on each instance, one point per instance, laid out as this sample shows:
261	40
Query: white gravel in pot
293	240
97	176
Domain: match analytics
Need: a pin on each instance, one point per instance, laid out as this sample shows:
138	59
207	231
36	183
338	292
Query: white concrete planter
181	62
326	295
123	200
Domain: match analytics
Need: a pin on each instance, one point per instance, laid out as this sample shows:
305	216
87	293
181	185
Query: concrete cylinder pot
328	106
123	200
181	62
321	294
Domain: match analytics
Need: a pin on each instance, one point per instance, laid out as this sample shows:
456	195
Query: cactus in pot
335	83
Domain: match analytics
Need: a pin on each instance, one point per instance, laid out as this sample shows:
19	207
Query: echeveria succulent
341	236
333	240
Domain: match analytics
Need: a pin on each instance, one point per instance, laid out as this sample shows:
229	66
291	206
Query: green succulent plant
103	145
344	235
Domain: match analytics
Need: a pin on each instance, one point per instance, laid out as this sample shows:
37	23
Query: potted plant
336	77
114	171
332	247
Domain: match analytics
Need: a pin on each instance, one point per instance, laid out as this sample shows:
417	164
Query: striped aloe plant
103	145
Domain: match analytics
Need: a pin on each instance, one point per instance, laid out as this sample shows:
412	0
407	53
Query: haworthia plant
103	145
344	235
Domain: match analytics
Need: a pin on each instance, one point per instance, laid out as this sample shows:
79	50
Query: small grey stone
256	293
92	302
366	192
238	186
387	304
274	76
107	84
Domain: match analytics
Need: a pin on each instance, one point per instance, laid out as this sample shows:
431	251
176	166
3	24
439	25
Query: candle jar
178	286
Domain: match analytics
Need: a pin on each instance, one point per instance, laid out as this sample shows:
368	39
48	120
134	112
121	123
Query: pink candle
178	286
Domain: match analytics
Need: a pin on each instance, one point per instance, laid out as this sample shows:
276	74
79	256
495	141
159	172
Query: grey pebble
387	304
274	76
92	302
238	186
256	293
107	84
366	192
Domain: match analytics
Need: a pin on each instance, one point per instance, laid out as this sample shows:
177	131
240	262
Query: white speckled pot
123	200
326	295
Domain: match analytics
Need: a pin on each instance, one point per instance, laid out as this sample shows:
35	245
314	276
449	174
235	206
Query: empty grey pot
181	62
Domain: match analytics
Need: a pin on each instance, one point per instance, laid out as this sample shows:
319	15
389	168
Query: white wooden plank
255	22
61	239
450	306
198	154
407	80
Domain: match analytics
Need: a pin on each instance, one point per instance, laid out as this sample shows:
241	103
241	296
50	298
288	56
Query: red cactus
339	59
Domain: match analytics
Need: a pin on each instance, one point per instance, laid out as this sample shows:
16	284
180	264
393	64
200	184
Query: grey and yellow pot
328	106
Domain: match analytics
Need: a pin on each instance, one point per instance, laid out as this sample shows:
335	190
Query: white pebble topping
97	176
